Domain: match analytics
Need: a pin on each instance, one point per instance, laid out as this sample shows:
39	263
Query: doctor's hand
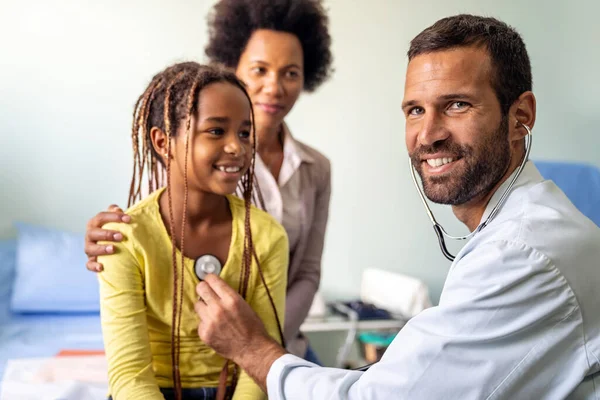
94	233
232	329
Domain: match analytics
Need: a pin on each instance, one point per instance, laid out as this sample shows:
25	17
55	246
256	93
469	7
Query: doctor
518	317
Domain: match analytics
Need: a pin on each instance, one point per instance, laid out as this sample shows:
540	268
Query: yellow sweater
136	290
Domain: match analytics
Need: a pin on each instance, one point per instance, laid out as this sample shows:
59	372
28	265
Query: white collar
530	174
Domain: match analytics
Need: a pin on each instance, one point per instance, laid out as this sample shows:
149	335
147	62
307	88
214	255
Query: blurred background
70	72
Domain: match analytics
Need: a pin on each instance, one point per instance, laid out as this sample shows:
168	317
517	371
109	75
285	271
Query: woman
277	48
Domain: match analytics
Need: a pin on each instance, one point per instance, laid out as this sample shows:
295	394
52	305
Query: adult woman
277	48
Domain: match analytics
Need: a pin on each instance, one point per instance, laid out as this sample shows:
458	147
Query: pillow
580	182
50	273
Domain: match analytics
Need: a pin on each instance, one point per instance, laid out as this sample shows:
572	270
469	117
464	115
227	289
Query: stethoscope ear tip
527	128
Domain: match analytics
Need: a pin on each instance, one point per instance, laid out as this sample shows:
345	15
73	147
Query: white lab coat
518	318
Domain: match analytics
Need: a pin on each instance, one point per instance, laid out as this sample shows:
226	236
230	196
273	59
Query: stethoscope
207	264
440	231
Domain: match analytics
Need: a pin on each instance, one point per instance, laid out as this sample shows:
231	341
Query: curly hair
232	22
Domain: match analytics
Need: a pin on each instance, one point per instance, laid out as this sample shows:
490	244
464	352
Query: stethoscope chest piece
207	265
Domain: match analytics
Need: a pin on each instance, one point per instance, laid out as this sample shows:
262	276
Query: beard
482	167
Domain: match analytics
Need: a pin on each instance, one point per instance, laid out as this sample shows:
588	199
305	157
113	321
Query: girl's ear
160	142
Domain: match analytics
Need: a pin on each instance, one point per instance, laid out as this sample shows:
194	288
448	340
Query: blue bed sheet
41	335
23	336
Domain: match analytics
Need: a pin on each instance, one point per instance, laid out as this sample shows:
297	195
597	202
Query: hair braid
135	143
140	121
174	355
137	166
190	108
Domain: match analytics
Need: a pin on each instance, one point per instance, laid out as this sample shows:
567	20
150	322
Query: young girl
197	122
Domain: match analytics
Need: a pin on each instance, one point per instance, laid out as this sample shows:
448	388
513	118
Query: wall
71	71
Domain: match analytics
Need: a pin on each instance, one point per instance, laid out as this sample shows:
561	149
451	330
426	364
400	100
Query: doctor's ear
522	112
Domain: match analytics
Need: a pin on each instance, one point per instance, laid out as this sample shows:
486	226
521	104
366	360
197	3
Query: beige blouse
299	200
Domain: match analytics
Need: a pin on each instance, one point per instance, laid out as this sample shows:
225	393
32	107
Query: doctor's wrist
258	358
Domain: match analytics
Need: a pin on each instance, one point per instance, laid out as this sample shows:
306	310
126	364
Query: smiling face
220	147
456	136
272	67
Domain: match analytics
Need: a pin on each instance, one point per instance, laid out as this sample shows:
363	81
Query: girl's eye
216	131
245	134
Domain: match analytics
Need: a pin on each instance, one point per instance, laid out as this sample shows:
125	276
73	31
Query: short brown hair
512	68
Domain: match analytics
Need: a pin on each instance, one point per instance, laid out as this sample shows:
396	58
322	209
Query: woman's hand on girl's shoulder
94	234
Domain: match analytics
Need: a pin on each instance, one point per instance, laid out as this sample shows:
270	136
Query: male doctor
518	317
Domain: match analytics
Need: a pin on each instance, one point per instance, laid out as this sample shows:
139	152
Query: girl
197	122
